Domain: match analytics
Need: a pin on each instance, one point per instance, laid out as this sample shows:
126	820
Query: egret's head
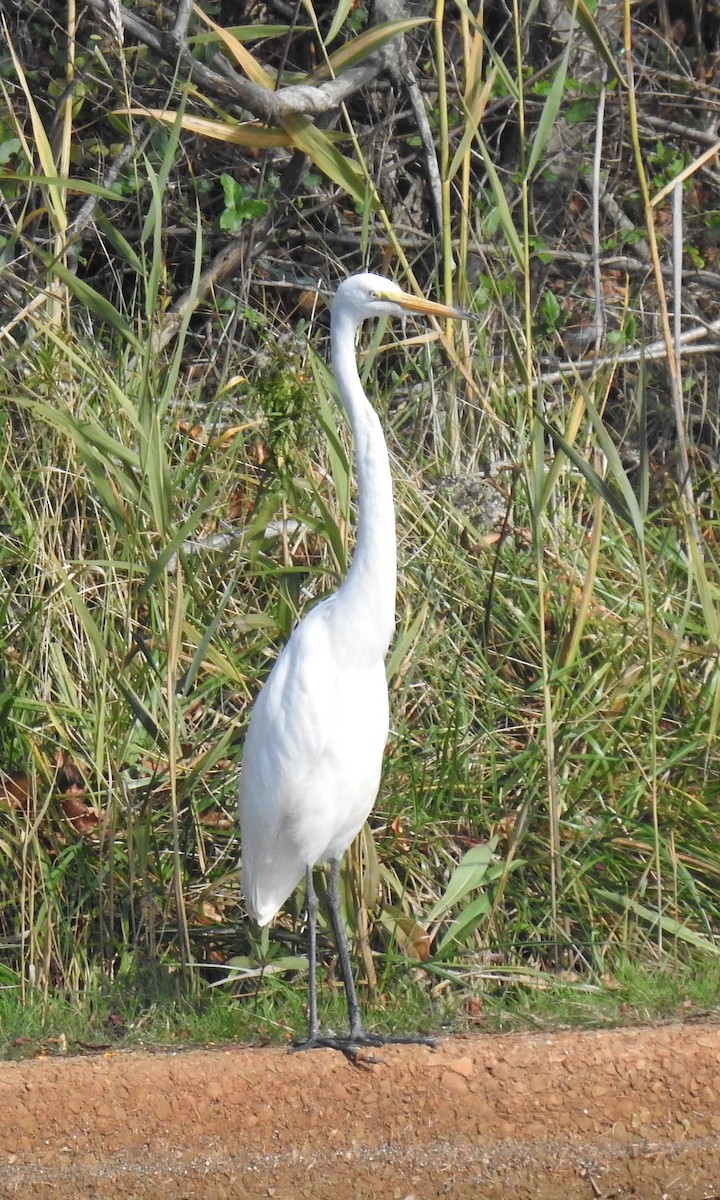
364	296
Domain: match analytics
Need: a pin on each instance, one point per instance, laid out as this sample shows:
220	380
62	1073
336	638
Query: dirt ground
628	1113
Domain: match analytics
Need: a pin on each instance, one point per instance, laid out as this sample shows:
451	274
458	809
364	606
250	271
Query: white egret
314	745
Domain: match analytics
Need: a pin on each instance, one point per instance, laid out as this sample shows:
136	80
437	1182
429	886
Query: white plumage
314	745
319	771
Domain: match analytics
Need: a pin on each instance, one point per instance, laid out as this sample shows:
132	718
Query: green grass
554	682
513	715
157	1013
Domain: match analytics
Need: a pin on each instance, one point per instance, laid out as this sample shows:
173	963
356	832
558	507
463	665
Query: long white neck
371	580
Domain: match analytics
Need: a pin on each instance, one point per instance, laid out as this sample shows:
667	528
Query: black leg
356	1026
311	903
358	1038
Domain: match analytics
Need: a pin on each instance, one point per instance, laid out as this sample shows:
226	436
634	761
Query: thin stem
537	473
174	611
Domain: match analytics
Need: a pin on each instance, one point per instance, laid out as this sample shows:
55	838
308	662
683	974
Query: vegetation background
181	187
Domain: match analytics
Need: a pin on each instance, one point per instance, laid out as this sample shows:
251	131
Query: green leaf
579	111
248	33
230	220
549	310
616	468
470	873
86	619
465	924
669	924
96	303
405	639
245	967
183	534
231	189
341	14
120	242
84	433
551	107
326	415
141	714
502	209
596	481
8	149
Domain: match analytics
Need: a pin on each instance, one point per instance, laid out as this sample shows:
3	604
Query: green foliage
151	1010
172	503
239	206
666	162
288	418
579	111
549	314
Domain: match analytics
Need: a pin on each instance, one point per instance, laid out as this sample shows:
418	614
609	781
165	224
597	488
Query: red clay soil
600	1115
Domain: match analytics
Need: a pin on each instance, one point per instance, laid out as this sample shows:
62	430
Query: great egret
314	745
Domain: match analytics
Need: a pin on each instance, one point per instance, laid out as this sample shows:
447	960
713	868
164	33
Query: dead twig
688	343
267	106
402	75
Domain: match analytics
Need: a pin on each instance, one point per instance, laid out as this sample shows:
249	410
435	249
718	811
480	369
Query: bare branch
402	75
688	343
268	106
182	19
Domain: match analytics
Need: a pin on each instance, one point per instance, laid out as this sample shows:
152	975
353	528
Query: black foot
350	1045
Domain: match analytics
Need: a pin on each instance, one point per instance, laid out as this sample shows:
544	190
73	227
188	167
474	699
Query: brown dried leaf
215	818
83	817
15	790
69	773
208	914
412	938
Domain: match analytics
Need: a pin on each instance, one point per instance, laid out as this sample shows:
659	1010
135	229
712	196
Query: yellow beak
428	308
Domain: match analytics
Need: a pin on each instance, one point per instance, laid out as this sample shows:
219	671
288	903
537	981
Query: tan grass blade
247	62
254	137
56	208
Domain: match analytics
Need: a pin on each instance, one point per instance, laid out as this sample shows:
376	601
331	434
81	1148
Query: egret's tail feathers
261	910
265	896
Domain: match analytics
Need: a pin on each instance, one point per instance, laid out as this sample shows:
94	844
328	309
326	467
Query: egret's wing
292	717
288	733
